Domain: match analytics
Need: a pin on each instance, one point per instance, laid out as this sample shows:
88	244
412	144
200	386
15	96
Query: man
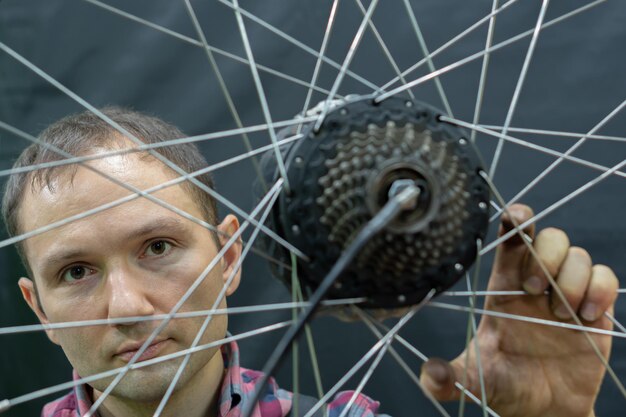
139	258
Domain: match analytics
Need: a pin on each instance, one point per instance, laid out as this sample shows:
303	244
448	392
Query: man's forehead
87	193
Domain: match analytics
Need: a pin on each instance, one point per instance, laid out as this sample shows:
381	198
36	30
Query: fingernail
533	285
561	312
589	312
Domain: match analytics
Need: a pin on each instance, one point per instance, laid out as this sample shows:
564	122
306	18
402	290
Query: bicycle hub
343	173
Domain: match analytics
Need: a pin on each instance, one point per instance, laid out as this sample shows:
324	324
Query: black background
575	79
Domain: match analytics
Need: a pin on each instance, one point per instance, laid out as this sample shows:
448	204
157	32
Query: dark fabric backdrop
575	79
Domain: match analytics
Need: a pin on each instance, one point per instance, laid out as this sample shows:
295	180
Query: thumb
439	376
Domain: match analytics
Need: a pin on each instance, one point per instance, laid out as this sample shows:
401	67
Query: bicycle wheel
574	81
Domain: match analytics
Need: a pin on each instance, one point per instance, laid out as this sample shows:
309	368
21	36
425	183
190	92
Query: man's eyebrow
167	225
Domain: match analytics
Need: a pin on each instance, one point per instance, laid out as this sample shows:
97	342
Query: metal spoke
346	63
197	43
361	362
424	358
136	193
535	147
556	163
145	146
429	60
451	42
381	353
261	94
554	133
318	62
218	300
473	334
233	240
297	43
155	154
527	319
484	68
477	55
518	87
8	403
383	46
553	207
224	88
369	322
259	308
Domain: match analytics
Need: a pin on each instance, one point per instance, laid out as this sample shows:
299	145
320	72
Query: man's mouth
128	351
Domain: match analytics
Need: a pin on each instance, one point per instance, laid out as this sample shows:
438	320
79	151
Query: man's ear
29	292
228	227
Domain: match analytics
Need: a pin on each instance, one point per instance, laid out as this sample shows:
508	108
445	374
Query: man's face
137	259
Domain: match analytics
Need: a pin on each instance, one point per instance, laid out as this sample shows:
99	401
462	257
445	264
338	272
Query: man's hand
534	369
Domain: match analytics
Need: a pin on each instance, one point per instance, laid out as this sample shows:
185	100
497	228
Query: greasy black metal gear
342	174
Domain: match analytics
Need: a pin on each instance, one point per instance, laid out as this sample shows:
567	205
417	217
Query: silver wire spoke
482	293
615	322
145	146
346	62
365	358
483	70
530	145
449	43
555	287
429	60
383	45
558	161
155	154
136	194
297	43
261	93
218	300
309	335
477	55
370	325
197	43
380	354
527	319
488	293
106	206
424	358
518	87
474	331
259	308
554	133
8	403
554	206
318	62
229	100
366	377
295	353
183	299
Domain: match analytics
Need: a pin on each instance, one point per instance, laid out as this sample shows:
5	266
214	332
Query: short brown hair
77	134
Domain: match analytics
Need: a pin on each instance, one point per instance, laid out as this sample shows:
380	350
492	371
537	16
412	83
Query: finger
438	377
601	293
550	247
573	279
511	253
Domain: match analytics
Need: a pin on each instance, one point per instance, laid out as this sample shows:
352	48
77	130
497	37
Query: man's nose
128	295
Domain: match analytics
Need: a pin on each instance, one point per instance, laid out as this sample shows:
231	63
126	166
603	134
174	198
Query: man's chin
146	385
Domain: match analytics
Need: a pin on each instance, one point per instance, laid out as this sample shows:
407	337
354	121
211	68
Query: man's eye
158	247
76	273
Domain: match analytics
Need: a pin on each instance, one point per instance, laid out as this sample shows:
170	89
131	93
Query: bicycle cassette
341	175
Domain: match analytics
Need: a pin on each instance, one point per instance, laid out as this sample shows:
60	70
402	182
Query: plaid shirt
237	388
